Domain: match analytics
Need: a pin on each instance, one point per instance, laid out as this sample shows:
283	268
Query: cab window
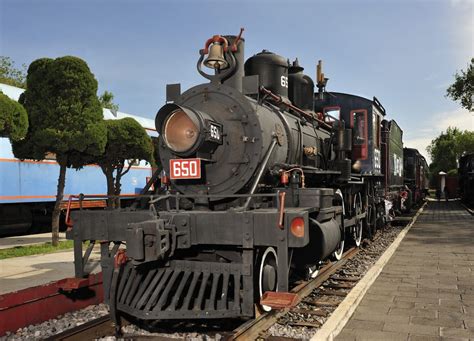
332	114
359	125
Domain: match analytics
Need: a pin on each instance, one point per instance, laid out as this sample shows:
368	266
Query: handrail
154	199
81	197
169	195
68	220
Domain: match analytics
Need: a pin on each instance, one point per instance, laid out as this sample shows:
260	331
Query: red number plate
185	169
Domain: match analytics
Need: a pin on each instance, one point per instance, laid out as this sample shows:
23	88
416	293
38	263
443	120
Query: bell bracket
219	76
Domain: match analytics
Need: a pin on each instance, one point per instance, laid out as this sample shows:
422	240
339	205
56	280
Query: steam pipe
145	189
278	99
260	172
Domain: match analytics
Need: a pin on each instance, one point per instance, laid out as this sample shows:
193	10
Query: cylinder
324	238
300	87
235	80
272	71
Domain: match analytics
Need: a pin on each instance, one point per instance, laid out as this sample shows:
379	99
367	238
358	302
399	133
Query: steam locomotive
262	179
415	172
466	179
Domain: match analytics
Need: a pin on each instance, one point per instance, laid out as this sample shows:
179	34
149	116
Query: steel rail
91	330
252	329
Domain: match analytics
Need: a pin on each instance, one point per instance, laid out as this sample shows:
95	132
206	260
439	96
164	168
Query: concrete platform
9	242
29	271
426	290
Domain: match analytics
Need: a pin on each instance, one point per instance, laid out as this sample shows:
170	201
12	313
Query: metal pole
260	172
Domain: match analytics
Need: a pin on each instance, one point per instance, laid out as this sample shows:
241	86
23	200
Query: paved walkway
41	238
426	290
23	272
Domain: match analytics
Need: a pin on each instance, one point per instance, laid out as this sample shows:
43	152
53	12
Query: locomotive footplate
185	290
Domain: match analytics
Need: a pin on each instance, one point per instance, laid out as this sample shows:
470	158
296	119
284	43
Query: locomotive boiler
255	186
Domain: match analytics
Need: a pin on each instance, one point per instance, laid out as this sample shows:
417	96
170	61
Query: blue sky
404	52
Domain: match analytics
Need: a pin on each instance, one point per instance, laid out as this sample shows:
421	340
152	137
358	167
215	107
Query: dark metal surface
185	289
300	87
272	70
253	329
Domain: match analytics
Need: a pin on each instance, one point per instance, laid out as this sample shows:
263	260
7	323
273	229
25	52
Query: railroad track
91	330
257	328
315	298
103	326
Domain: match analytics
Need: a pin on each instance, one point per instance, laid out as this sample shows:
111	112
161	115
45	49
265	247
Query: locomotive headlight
186	130
180	131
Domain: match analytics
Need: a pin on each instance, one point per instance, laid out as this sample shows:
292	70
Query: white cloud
420	144
460	118
421	138
464	3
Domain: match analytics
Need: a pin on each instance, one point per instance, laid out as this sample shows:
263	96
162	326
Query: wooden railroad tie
346	279
310	312
321	303
340	285
333	293
313	324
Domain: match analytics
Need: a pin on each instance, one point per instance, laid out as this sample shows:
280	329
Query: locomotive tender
255	185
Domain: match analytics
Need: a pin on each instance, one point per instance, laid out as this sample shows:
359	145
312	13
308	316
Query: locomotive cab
364	117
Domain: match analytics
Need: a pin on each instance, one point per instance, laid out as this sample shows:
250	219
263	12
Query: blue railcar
28	188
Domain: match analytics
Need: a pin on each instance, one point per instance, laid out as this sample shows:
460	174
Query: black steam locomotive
466	179
415	172
262	178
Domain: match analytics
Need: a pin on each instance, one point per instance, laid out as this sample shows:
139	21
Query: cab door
359	134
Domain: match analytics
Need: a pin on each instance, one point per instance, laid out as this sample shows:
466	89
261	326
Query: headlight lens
180	132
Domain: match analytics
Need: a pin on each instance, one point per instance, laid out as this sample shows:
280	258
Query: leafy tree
106	100
65	118
155	162
128	141
446	149
462	89
11	75
13	119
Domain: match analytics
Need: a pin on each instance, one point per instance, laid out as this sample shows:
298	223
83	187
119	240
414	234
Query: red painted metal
120	258
37	304
74	283
185	168
279	300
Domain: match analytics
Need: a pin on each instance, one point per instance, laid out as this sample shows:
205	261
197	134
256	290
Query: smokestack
236	80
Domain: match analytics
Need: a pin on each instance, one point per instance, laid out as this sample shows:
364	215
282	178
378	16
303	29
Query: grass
36	249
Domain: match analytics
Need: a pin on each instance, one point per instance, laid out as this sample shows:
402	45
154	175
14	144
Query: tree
11	75
13	119
447	148
65	118
462	89
106	100
128	141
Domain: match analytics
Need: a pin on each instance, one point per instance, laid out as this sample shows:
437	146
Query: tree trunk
59	198
110	187
117	186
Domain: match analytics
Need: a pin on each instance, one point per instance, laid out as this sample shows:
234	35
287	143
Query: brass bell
215	59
